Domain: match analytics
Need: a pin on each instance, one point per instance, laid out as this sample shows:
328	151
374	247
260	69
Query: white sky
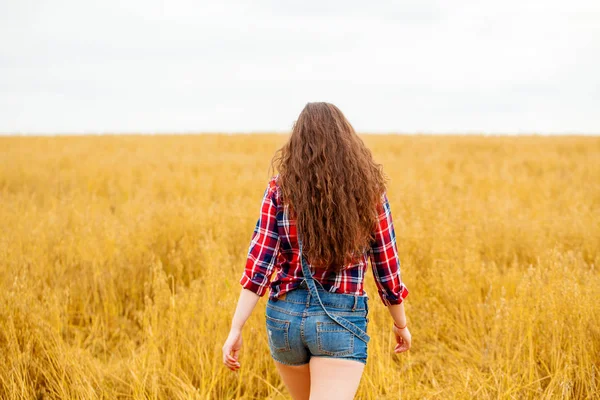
69	66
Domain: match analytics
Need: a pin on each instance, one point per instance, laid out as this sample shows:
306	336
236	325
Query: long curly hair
332	185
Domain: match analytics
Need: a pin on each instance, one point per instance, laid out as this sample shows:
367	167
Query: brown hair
332	184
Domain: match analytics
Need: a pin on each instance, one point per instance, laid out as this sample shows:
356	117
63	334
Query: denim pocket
333	339
278	330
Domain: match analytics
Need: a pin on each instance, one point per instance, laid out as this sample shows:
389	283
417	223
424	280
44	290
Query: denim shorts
298	327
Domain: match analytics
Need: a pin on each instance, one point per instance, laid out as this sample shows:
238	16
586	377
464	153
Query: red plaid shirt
275	244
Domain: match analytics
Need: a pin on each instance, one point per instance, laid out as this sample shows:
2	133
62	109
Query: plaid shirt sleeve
264	246
384	258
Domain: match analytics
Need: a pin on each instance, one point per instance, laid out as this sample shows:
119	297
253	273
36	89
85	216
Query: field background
120	258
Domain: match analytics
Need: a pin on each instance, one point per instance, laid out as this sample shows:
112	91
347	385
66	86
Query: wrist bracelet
405	325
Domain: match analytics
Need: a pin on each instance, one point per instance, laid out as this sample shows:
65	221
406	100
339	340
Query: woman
322	217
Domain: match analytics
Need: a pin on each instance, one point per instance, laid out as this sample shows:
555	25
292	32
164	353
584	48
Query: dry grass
120	258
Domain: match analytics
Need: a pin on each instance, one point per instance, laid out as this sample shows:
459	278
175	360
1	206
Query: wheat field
120	258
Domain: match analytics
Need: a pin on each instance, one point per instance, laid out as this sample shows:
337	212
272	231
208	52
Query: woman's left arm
255	280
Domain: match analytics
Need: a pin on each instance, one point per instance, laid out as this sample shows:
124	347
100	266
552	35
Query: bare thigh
334	378
296	379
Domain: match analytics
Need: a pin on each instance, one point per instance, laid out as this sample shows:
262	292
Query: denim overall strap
312	287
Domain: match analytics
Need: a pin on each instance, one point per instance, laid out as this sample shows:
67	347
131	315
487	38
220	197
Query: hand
403	339
233	344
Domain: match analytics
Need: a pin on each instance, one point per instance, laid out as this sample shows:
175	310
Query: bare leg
296	378
334	378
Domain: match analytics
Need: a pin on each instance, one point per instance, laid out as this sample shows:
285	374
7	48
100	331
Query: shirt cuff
252	285
394	298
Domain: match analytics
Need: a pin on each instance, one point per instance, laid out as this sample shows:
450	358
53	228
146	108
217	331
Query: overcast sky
77	66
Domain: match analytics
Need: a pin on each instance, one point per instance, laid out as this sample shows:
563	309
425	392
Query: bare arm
246	303
397	313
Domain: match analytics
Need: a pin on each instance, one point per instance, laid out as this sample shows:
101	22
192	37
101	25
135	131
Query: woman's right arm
385	264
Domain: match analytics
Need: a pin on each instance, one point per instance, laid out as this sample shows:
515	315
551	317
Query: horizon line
279	132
